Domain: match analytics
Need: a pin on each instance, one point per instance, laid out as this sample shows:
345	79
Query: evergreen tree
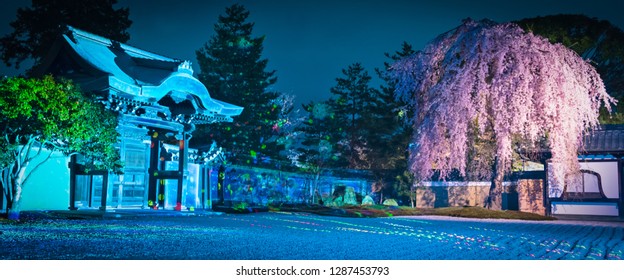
36	28
389	119
353	100
233	71
317	134
315	148
391	133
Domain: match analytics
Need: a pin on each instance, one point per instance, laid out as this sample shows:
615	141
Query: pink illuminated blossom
504	79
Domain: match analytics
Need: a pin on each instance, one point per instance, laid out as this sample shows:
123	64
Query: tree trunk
14	209
7	188
2	197
315	185
5	194
18	184
495	197
12	182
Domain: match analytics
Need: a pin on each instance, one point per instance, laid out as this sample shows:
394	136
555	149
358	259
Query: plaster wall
48	187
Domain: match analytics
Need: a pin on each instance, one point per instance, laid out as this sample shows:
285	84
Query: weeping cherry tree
501	81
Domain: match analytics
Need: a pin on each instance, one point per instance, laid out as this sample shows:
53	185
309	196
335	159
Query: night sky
310	42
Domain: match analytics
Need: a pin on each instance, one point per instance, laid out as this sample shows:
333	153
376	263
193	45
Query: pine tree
353	97
317	135
389	115
233	71
391	132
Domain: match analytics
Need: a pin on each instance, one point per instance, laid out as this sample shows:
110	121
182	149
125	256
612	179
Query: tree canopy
391	131
41	116
37	27
233	70
316	135
353	98
497	77
597	41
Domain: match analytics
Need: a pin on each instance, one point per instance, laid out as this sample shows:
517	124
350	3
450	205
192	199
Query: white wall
48	187
609	175
585	208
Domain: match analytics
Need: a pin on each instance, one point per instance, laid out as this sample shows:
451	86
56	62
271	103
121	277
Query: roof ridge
128	48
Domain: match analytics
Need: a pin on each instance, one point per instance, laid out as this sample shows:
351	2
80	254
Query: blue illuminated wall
48	188
258	186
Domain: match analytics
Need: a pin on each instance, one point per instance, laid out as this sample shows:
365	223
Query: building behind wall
158	102
597	190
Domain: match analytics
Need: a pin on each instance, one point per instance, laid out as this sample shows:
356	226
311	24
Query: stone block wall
451	194
458	194
531	196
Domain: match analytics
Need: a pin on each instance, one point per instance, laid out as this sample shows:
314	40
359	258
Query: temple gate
158	101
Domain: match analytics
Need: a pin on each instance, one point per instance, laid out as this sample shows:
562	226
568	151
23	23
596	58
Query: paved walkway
570	220
133	213
290	236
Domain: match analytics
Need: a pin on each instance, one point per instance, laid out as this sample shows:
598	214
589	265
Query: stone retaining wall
457	194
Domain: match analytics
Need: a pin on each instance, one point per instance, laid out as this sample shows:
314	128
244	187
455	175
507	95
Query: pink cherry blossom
502	78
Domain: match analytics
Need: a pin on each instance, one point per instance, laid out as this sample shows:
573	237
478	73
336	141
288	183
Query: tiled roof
133	74
606	139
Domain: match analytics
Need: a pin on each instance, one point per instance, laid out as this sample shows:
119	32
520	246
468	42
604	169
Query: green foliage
318	135
37	27
359	127
616	117
353	99
390	133
59	117
403	183
240	207
389	120
233	71
579	33
41	116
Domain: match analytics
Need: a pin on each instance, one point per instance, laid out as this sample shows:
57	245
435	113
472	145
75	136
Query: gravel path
283	236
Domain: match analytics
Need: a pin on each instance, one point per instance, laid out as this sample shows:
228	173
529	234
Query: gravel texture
300	236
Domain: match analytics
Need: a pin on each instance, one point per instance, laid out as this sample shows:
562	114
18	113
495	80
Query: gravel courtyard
284	236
